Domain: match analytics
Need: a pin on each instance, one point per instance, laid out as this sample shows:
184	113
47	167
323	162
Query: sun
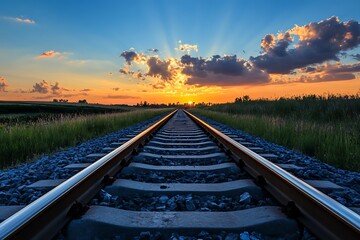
190	102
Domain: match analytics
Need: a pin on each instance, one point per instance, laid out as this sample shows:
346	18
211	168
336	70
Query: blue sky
100	31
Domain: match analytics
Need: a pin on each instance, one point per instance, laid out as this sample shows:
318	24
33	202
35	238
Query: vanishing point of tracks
180	176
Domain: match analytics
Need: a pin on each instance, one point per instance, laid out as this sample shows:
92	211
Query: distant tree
55	100
83	101
238	99
246	98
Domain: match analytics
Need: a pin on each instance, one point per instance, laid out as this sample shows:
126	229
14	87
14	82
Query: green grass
334	142
322	109
24	142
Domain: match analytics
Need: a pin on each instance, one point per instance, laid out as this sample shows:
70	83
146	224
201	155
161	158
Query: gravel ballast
13	181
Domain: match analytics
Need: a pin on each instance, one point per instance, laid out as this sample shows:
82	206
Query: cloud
324	73
3	84
334	68
132	56
44	87
160	68
125	71
116	89
25	20
186	47
20	20
56	89
356	56
48	54
41	87
326	77
222	71
318	42
138	75
122	97
86	90
303	51
154	50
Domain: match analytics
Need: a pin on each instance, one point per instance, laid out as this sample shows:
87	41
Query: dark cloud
333	68
318	42
326	77
356	56
56	89
44	87
122	97
341	68
309	69
159	68
3	84
116	89
154	50
125	71
222	71
86	90
324	73
41	87
131	56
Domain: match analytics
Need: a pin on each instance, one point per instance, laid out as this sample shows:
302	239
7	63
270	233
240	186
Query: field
25	134
24	112
327	128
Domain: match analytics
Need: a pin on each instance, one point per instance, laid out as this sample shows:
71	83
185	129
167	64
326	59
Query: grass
24	142
333	135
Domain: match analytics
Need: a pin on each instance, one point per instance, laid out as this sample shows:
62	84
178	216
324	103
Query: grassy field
26	141
327	128
12	113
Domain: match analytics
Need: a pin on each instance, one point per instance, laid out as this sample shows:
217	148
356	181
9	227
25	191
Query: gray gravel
13	181
172	162
190	202
184	176
203	235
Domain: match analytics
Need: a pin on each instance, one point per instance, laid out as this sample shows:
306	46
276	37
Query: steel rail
323	216
43	218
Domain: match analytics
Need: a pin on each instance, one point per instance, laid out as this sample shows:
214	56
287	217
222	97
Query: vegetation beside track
25	141
12	113
327	128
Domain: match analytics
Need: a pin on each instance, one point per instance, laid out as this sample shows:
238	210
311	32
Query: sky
126	52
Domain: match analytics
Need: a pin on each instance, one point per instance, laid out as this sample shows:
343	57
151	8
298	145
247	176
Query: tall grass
24	142
322	109
336	143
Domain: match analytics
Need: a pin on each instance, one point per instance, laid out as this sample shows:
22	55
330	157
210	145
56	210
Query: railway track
181	176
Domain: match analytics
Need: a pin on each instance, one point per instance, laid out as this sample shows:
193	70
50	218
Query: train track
183	176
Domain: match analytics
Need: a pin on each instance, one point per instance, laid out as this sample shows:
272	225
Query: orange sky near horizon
132	93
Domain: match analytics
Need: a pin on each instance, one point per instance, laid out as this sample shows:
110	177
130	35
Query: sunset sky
177	51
